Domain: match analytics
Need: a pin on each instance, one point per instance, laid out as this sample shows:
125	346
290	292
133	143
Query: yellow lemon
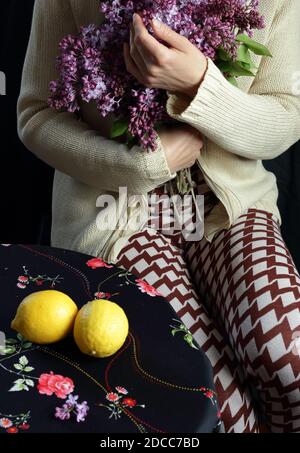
100	328
45	317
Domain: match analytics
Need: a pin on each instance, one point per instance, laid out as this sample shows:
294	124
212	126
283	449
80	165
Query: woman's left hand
179	68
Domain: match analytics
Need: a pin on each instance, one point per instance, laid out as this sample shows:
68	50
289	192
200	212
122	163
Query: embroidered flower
119	401
63	413
94	263
209	394
21	285
50	384
5	422
101	295
112	397
122	390
146	288
23	279
71	406
12	430
81	411
129	402
39	282
24	426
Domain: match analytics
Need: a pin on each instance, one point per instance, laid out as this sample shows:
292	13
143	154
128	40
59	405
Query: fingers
150	49
135	53
131	66
165	33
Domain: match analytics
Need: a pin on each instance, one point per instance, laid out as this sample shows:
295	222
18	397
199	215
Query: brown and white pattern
240	297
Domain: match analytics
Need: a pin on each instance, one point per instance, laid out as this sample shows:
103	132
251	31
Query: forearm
260	124
252	126
71	147
59	138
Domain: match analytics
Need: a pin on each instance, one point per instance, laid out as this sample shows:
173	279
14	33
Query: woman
237	288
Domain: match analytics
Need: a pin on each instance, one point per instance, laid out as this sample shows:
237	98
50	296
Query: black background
26	183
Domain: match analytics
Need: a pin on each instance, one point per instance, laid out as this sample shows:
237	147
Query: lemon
45	317
100	328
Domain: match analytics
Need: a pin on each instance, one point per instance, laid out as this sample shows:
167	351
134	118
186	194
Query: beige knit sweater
259	120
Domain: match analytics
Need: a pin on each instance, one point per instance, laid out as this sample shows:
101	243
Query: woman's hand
182	145
180	68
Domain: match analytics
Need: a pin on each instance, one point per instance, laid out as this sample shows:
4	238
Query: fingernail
134	18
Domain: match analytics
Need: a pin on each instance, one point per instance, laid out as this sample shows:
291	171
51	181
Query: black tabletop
158	382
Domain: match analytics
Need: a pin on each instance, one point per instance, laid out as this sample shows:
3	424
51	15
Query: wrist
192	90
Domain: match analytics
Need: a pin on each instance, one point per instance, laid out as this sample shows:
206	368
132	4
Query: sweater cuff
157	168
208	103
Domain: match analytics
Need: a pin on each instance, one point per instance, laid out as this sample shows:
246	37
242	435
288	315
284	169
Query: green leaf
18	366
235	69
232	80
11	341
29	382
20	337
27	345
16	388
119	128
27	369
130	139
188	338
256	47
23	360
7	351
19	381
243	54
223	55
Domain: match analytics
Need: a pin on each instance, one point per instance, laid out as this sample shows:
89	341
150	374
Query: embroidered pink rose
51	383
94	263
146	288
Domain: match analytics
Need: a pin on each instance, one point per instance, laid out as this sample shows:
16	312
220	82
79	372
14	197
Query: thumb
165	33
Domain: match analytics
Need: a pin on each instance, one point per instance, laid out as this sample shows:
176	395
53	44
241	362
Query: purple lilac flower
71	406
91	65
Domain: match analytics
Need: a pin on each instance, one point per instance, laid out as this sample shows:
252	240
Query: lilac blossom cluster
72	406
91	66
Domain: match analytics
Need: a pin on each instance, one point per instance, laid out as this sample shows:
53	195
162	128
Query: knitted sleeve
264	122
59	138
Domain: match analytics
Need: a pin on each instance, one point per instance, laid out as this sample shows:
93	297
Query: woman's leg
153	258
251	285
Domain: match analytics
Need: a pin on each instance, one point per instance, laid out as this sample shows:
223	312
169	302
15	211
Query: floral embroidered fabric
160	381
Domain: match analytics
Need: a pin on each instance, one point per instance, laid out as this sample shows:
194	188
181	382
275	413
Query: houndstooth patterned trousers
240	297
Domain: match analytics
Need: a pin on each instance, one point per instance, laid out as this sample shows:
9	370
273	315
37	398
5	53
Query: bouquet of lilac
91	66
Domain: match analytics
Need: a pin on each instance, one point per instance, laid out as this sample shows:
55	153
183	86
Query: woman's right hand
182	145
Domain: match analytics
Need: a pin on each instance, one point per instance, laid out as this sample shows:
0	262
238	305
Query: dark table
159	382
